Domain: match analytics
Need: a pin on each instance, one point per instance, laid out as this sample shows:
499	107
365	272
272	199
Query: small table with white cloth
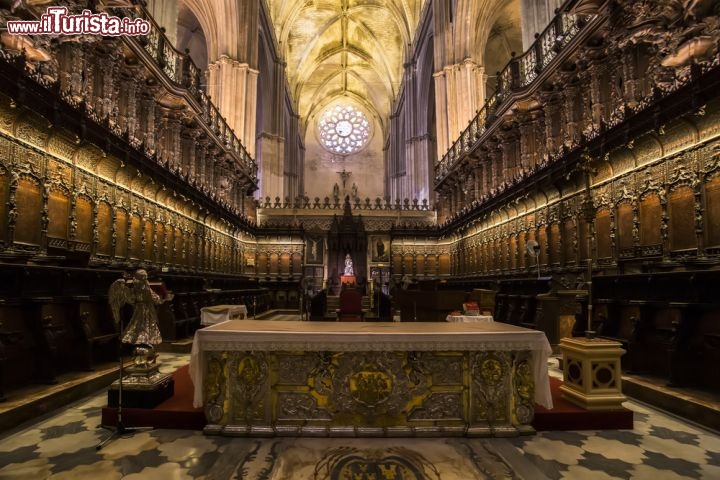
469	318
220	313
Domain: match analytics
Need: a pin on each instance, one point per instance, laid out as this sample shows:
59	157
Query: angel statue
143	330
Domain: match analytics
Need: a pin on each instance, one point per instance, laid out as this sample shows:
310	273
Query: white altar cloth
258	335
220	313
469	318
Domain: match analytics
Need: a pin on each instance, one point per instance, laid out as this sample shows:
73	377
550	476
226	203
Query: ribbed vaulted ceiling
344	47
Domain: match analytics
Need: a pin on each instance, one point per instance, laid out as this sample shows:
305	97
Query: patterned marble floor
62	445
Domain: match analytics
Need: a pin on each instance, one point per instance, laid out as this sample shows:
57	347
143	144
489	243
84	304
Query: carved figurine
348	266
143	330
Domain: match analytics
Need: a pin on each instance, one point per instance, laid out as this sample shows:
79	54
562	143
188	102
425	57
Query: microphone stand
120	430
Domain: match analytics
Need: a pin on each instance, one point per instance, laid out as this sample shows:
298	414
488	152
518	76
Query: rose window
344	129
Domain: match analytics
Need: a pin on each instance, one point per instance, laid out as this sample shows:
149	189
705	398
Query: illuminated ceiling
352	48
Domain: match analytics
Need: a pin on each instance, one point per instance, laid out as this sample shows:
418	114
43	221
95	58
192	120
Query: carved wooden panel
208	257
224	259
190	250
4	187
712	211
503	253
582	240
431	265
602	233
284	262
444	264
681	212
296	263
135	237
542	239
650	220
159	242
104	227
83	217
29	207
407	264
420	263
494	252
569	229
522	258
274	263
397	263
624	226
554	250
513	252
121	225
178	245
170	251
58	214
148	230
477	251
262	266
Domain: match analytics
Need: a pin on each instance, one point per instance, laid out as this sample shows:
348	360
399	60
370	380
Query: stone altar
258	378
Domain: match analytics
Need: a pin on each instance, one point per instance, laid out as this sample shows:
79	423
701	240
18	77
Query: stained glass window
343	129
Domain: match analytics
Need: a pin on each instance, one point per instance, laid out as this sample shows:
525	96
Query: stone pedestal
591	372
142	387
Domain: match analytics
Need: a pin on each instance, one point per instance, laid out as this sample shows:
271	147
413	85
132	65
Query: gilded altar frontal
407	383
368	393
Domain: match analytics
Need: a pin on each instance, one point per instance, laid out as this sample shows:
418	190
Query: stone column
165	13
459	94
232	86
535	16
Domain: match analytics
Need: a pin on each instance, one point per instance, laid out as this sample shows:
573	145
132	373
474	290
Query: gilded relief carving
294	369
248	386
215	386
489	373
440	406
337	390
300	406
524	388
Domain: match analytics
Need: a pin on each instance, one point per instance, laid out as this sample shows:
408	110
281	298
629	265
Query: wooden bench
669	323
16	346
97	337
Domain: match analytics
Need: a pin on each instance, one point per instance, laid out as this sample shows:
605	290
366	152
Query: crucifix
344	176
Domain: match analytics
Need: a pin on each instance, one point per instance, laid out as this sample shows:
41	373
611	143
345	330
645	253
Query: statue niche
347	246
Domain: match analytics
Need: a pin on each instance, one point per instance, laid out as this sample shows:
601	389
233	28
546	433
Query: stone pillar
271	154
165	13
459	94
232	86
535	16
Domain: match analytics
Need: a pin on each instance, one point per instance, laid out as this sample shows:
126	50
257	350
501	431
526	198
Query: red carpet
177	412
568	416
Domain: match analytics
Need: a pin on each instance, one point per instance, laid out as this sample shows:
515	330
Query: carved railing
518	74
182	71
328	203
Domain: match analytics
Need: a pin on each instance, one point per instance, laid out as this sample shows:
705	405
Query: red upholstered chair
350	306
